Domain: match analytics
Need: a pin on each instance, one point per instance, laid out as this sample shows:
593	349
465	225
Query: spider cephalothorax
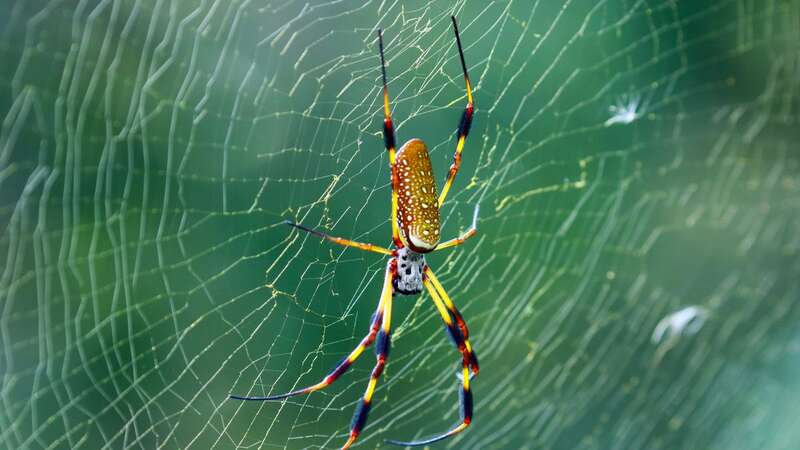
415	231
410	265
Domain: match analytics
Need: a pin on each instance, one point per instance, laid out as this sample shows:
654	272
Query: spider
415	232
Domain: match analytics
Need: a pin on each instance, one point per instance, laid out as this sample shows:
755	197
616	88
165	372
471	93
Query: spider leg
389	141
458	336
467	234
462	332
342	241
381	354
463	126
346	362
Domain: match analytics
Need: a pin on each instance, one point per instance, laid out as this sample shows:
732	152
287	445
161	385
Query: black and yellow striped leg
465	398
340	369
463	126
381	353
342	241
467	359
389	141
462	332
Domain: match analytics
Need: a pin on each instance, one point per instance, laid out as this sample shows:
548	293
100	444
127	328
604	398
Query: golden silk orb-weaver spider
415	232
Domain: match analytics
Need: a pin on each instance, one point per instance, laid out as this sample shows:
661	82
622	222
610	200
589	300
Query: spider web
633	283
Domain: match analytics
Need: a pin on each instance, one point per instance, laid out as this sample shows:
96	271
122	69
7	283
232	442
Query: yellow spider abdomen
417	202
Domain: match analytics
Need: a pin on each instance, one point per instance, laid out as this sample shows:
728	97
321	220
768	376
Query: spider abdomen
417	202
410	265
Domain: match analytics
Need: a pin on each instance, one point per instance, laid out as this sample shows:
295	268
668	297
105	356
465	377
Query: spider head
408	278
417	202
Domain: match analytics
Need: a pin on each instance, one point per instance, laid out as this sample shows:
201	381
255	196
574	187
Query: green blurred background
149	151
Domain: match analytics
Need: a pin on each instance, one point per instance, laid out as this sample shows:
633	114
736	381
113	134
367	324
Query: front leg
389	141
463	126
